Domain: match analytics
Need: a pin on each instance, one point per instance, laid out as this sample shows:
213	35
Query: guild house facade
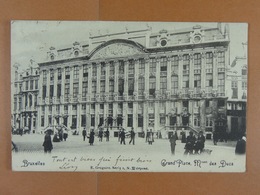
143	79
25	90
237	95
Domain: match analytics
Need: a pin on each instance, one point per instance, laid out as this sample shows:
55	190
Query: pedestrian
122	137
150	137
241	146
172	140
91	137
147	135
215	137
119	135
176	135
65	136
183	136
84	134
56	137
132	134
189	146
200	143
107	135
61	135
100	134
47	144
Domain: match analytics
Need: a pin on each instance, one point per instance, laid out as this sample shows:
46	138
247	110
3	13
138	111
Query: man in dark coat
122	137
189	146
47	144
107	135
200	143
100	134
84	134
91	137
132	134
183	136
241	146
172	140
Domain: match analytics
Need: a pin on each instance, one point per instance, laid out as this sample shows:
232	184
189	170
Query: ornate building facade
25	90
139	79
237	95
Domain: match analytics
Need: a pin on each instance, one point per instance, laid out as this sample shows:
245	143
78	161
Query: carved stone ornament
116	50
168	94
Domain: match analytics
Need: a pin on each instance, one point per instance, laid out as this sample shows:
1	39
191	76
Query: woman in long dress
91	137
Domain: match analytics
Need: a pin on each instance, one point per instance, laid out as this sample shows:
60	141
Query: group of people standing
91	136
193	145
122	136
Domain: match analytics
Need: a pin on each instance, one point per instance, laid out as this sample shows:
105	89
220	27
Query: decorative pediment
116	50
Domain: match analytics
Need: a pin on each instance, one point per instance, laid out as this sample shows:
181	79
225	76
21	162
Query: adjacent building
237	95
25	95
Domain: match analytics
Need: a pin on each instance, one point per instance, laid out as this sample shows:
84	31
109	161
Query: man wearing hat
84	133
132	134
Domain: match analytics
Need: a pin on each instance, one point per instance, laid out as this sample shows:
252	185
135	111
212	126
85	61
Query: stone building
25	95
237	95
142	79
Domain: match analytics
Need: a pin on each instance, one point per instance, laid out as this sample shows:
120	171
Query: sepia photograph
93	96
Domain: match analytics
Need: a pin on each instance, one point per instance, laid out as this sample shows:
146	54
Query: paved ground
75	144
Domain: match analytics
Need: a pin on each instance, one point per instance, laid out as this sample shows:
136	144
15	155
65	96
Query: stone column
107	67
136	76
215	70
80	81
48	84
180	72
98	76
191	75
203	70
55	82
169	73
156	116
157	76
146	75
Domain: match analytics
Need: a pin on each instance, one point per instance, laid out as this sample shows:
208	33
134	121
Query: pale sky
32	39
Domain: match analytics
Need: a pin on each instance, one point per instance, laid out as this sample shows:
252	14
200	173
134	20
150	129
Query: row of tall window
30	85
140	85
152	66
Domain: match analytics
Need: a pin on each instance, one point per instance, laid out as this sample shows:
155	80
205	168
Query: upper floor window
76	72
141	66
152	67
67	73
164	64
131	67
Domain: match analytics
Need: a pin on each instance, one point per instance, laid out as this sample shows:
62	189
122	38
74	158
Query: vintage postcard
128	96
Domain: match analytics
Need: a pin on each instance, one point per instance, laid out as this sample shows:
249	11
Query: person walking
122	137
107	135
241	146
132	134
200	143
84	134
150	137
189	147
172	140
183	136
119	135
100	134
47	144
91	137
